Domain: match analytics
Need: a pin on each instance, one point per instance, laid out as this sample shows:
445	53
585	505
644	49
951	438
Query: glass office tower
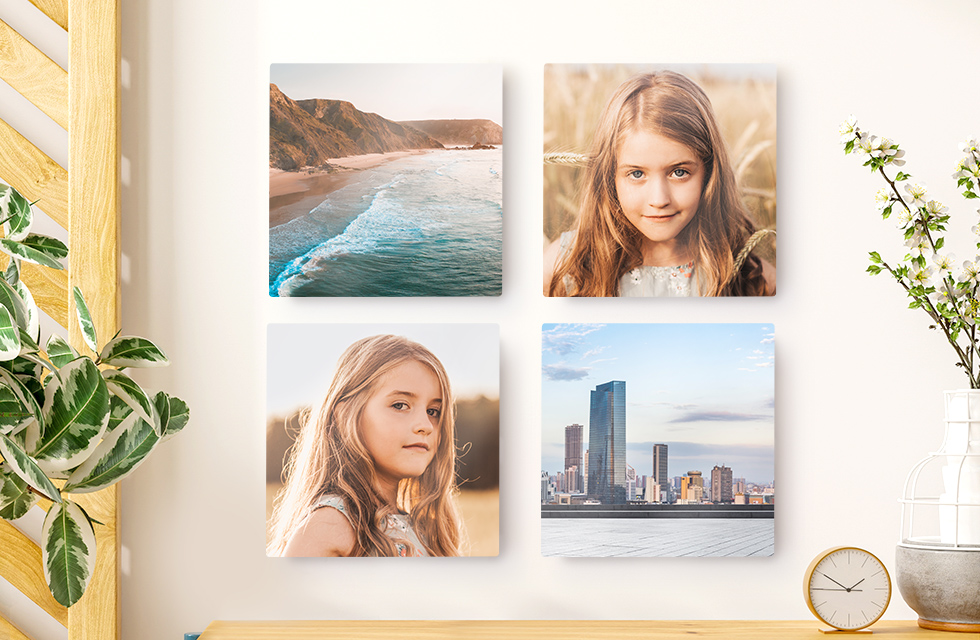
607	443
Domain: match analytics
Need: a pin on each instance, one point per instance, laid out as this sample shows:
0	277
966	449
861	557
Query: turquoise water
425	225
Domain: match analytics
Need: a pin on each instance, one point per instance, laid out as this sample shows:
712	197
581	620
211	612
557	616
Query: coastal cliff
460	132
305	133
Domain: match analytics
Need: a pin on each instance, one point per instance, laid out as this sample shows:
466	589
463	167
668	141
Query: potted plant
70	422
938	556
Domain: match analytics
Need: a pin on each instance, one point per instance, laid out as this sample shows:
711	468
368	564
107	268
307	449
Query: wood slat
21	566
547	630
49	288
9	632
36	176
93	259
57	10
34	75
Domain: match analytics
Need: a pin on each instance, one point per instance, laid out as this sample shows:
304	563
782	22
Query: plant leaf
38	249
17	404
116	457
9	336
177	412
69	552
133	351
85	320
12	274
76	413
18	214
127	390
59	351
118	411
14	304
15	498
26	469
33	327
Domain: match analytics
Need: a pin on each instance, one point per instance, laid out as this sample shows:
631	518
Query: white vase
959	511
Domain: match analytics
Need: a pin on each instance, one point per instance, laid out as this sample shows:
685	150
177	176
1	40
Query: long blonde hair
607	245
329	457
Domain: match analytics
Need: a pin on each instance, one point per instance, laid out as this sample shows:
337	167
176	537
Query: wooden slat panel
93	259
57	10
27	169
10	632
34	75
547	630
50	290
21	566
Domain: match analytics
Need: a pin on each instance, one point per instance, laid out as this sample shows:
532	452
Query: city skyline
704	390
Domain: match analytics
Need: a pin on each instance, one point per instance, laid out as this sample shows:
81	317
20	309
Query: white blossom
847	129
917	244
903	217
883	198
971	269
922	275
936	208
865	143
917	193
944	262
970	146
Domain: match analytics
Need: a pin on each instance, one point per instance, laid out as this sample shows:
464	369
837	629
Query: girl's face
399	424
658	183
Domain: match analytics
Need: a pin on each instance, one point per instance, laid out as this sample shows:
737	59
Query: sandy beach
296	193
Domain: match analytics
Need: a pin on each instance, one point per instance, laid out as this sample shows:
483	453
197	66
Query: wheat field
745	107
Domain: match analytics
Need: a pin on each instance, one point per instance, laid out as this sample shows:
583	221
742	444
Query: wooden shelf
550	630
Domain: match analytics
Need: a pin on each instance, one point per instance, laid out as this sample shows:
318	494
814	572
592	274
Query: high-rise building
573	458
630	483
607	443
721	484
660	464
692	486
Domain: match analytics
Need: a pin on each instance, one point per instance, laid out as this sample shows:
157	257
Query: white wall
859	378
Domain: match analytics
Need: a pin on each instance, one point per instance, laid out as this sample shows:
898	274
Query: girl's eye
636	174
680	173
400	406
435	413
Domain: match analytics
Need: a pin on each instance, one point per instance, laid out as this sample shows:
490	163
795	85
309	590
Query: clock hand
833	589
834	581
857	583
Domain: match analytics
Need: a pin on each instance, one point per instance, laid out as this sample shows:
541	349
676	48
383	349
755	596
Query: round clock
847	588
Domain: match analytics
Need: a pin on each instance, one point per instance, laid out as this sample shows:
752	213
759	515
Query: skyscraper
573	458
721	484
607	443
660	464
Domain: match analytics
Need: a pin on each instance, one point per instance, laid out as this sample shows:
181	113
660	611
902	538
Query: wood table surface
552	630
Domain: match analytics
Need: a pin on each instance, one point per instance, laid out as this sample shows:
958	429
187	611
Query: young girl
373	470
661	213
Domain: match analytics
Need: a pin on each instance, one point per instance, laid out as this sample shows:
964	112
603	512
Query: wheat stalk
566	158
753	240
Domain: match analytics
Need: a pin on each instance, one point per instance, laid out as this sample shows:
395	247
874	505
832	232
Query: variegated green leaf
118	411
85	320
15	498
76	413
120	454
59	351
17	405
129	392
161	403
9	336
18	215
38	249
14	304
27	343
12	274
132	351
30	307
177	414
68	551
26	469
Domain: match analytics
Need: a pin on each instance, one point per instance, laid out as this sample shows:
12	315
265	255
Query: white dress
397	526
644	281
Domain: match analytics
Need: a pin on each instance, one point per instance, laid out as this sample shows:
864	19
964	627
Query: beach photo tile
304	360
742	98
385	180
658	440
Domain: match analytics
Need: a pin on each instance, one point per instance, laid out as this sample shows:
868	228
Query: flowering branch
951	303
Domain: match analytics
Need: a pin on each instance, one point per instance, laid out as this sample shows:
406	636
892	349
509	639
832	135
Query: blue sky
706	390
400	91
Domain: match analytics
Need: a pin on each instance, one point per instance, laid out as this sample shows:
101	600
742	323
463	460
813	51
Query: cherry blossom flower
917	244
917	193
944	262
922	275
936	208
903	217
848	129
883	198
969	146
971	270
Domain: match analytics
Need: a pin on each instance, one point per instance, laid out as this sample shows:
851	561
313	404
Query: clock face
847	588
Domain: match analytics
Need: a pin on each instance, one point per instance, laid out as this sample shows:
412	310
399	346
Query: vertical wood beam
93	241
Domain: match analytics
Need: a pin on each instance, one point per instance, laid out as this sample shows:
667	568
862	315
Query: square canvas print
657	440
385	180
382	440
659	181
